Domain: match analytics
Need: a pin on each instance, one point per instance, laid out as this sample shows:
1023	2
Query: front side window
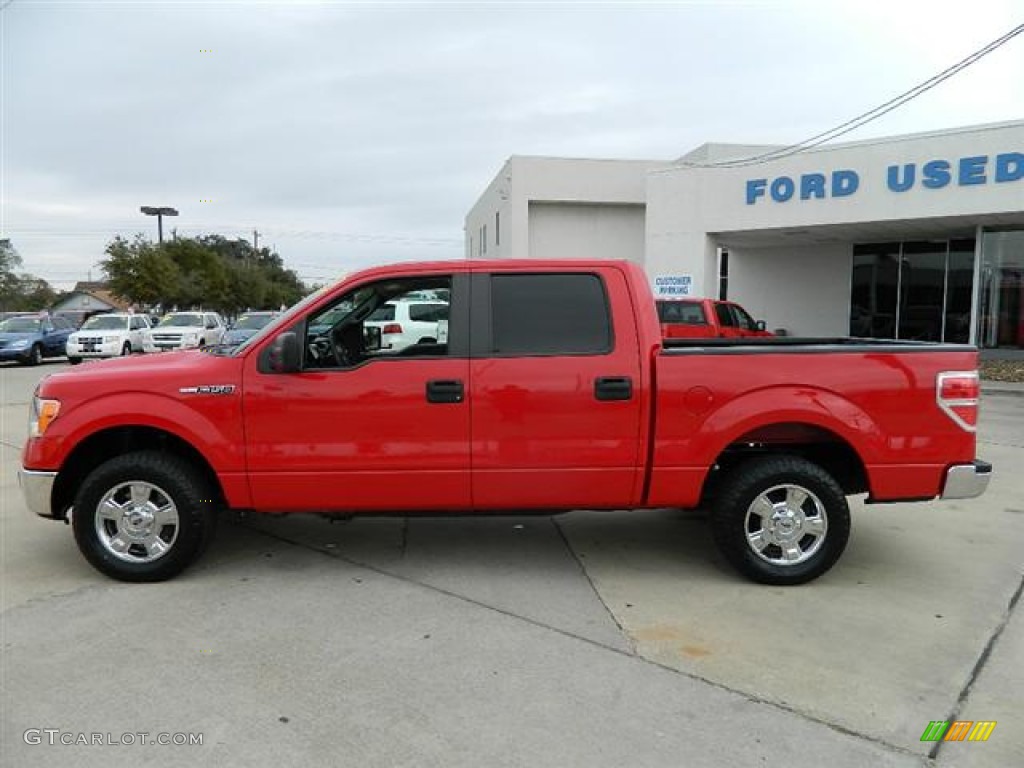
743	320
362	325
549	314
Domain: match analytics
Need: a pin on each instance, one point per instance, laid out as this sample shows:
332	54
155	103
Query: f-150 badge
209	389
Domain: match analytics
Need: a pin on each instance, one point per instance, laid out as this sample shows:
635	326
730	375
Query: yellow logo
958	730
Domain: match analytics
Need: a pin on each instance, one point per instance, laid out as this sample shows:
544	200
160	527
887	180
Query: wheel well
815	444
105	445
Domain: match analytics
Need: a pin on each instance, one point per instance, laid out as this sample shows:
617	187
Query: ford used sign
934	174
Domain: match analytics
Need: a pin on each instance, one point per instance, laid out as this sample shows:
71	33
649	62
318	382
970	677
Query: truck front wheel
143	516
781	520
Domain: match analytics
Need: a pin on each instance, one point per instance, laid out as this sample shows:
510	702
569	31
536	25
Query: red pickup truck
553	391
706	319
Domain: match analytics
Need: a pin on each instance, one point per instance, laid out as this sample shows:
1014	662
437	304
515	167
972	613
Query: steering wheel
338	349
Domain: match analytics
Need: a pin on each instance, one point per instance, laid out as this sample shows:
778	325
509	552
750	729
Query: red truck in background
553	390
706	319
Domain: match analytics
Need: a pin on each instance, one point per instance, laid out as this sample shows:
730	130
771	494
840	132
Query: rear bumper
966	481
37	488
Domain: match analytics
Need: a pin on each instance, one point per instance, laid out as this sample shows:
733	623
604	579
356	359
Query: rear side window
428	313
549	315
683	312
725	318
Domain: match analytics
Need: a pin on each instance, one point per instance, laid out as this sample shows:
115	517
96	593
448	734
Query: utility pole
255	242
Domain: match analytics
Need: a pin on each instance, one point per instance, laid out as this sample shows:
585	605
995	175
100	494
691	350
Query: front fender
212	424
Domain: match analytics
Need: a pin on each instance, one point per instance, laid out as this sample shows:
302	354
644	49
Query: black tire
171	479
800	540
74	360
35	355
126	349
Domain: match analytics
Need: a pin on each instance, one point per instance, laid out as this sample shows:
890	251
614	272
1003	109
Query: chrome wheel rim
786	525
137	522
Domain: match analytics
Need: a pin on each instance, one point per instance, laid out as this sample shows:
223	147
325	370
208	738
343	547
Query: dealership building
909	237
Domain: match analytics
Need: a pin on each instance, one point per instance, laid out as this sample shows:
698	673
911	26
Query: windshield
188	320
105	323
252	322
20	325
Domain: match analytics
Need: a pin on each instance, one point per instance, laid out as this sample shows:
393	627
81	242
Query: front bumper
15	353
106	349
966	481
37	488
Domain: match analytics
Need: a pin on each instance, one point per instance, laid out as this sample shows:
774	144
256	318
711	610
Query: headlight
19	343
109	339
41	415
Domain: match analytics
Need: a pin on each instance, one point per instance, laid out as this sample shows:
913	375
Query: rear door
555	390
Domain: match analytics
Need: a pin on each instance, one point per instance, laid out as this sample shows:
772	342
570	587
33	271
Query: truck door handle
613	388
445	391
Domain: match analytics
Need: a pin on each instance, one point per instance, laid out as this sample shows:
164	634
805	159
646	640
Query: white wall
576	230
805	290
525	181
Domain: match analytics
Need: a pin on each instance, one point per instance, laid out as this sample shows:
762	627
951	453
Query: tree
212	271
141	272
20	291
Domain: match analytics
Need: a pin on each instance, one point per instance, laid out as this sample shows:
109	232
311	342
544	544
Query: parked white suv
110	335
405	322
188	330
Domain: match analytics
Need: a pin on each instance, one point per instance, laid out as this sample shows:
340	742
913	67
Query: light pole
159	213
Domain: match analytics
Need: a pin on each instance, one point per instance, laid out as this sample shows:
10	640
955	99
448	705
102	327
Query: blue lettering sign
1009	167
893	177
935	174
755	189
844	183
782	189
972	170
812	185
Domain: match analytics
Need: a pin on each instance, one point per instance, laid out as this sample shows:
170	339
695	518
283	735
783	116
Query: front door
360	428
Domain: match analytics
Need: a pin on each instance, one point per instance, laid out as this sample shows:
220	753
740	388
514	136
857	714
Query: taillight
391	328
957	394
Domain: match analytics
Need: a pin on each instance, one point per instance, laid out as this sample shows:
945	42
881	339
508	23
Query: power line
870	115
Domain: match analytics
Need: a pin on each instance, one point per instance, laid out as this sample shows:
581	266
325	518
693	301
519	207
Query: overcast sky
351	134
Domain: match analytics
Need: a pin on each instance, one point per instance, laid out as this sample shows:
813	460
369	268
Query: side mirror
371	338
760	325
284	355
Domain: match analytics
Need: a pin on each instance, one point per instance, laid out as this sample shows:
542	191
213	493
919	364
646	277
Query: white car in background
405	322
188	330
110	335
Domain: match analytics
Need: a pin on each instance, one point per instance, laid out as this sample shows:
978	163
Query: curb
1001	391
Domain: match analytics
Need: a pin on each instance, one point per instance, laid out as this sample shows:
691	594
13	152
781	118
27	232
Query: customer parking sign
673	286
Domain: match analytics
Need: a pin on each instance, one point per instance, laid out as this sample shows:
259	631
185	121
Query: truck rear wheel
143	516
781	520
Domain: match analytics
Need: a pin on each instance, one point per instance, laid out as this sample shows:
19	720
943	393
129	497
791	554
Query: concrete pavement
587	639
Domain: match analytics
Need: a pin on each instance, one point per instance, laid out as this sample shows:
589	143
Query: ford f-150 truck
553	391
705	319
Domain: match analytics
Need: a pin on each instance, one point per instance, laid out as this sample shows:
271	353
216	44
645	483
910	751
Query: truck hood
165	373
